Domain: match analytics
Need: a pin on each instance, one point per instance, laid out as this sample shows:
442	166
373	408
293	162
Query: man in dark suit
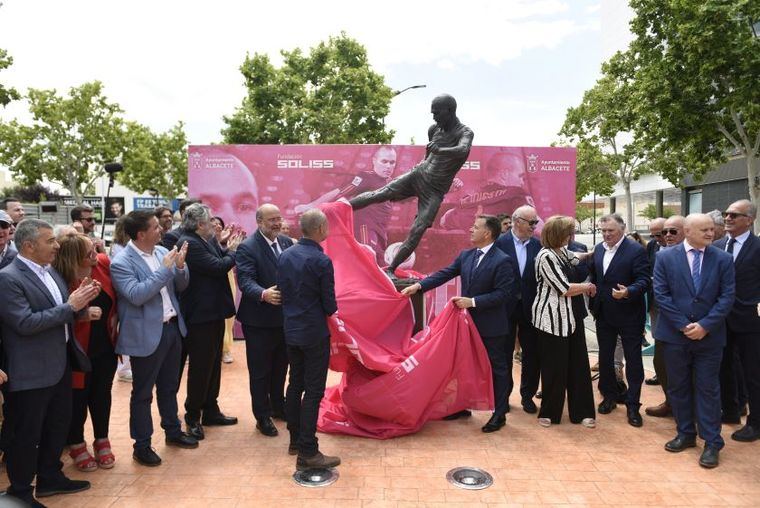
487	281
147	278
620	271
40	350
743	335
260	313
170	238
521	246
580	274
306	281
205	304
7	251
694	287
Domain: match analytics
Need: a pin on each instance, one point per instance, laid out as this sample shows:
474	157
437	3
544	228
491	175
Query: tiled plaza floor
565	465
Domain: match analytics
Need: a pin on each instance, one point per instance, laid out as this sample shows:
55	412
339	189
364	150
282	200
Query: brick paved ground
566	465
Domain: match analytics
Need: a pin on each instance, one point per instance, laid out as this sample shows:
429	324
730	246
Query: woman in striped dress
564	358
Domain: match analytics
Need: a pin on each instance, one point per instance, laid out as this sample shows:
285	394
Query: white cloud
163	61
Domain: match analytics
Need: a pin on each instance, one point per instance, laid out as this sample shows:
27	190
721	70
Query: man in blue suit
487	280
694	287
147	278
38	341
306	281
620	271
522	247
260	313
743	323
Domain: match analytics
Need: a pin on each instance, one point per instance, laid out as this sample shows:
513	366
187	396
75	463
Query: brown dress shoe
318	461
662	411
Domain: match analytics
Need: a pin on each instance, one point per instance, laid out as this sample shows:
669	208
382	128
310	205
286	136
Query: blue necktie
275	249
475	259
695	275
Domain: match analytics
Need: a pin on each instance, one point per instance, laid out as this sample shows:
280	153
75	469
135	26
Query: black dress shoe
219	419
494	423
680	443
459	414
195	429
652	381
606	406
634	417
731	419
746	434
266	427
709	457
182	440
529	406
63	486
146	457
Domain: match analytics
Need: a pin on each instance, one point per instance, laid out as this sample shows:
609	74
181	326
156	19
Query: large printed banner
235	179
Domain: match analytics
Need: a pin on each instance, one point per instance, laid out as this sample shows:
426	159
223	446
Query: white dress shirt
154	264
47	279
609	253
484	251
521	250
739	243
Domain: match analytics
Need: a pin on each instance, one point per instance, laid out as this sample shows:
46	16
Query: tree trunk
628	206
753	180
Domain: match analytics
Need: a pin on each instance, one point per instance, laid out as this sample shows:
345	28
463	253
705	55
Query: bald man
694	287
430	180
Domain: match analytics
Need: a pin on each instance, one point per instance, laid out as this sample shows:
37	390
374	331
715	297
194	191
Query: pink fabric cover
392	382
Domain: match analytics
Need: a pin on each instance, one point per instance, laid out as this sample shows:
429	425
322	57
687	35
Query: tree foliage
331	95
602	128
693	69
155	162
31	193
71	139
650	212
7	94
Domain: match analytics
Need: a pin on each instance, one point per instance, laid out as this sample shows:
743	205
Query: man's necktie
276	250
731	244
475	259
695	269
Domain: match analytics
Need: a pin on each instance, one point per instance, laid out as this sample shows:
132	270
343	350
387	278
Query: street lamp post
399	92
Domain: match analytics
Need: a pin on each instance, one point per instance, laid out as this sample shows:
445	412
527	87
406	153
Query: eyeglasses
530	222
672	232
734	215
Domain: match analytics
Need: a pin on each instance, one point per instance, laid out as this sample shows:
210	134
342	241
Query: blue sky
514	66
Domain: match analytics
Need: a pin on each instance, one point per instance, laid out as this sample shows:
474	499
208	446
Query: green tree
650	212
69	140
7	94
155	162
694	67
602	128
31	193
331	95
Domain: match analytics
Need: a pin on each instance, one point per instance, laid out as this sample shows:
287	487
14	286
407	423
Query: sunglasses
657	235
672	232
88	219
734	215
530	222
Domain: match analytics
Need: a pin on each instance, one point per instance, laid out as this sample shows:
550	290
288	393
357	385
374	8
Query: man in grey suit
39	346
147	277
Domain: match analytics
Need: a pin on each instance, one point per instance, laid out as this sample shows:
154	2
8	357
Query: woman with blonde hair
564	358
76	260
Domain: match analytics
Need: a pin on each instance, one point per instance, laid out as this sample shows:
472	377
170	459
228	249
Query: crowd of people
165	298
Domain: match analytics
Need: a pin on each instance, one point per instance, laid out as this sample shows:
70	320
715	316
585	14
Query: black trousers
740	375
267	358
565	369
160	369
203	346
40	423
501	368
522	327
96	395
308	375
630	336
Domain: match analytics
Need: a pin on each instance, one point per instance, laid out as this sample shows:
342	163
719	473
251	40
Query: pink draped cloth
393	382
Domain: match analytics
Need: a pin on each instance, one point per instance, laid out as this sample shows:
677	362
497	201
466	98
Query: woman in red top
77	259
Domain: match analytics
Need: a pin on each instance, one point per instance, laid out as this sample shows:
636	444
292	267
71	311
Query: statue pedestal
418	303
